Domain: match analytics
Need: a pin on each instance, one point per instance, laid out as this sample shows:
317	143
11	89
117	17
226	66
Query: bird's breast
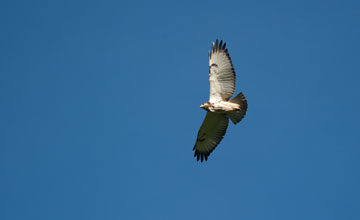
223	106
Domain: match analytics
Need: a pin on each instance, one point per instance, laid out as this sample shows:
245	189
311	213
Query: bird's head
205	105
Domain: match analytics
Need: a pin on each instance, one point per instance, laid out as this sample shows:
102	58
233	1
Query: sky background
99	110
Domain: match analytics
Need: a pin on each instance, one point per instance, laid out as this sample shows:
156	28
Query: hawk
219	107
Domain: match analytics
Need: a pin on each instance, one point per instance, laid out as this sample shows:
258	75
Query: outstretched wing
221	73
210	134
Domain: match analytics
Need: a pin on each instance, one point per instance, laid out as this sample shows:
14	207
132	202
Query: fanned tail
238	115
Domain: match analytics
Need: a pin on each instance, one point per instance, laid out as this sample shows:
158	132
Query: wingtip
200	156
217	46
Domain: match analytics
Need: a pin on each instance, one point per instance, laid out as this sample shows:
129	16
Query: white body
222	107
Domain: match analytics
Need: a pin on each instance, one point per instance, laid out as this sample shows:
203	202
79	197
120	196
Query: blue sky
100	110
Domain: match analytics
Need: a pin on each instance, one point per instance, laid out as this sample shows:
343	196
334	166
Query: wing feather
210	134
221	73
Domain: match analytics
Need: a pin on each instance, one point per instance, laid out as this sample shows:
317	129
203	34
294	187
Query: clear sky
100	110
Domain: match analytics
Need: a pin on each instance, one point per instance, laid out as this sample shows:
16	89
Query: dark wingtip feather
200	156
217	46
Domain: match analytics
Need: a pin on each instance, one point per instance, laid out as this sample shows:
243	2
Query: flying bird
219	107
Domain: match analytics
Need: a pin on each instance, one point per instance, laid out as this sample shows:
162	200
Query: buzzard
219	107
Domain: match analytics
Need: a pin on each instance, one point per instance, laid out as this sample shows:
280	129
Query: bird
220	107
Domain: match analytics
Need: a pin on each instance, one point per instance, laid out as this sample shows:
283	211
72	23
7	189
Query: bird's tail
236	116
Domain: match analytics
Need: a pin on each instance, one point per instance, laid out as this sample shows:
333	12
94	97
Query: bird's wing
210	134
221	73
